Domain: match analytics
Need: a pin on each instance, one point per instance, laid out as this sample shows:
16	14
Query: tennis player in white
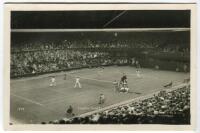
53	81
138	73
77	83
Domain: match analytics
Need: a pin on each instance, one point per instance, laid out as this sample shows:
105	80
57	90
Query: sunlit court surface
33	100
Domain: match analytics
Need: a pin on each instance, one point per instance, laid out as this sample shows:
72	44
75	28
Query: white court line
97	80
33	102
92	79
26	99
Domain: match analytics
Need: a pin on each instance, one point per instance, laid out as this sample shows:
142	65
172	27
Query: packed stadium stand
38	53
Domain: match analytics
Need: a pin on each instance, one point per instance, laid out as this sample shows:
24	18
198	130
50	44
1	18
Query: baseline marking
26	99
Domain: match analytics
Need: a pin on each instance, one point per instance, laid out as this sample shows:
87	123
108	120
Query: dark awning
100	19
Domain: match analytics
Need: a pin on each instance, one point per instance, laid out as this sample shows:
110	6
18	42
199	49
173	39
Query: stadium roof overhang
119	20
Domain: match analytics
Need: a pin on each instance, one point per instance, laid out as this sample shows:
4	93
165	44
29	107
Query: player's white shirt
53	79
77	79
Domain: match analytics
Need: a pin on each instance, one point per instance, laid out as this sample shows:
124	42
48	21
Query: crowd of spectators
41	56
33	62
163	108
87	43
167	41
51	60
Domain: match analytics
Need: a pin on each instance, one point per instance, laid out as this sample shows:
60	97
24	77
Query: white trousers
77	83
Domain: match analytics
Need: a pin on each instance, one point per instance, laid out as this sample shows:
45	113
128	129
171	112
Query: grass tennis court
34	101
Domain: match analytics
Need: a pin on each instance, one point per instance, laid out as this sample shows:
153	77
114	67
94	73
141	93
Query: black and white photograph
101	64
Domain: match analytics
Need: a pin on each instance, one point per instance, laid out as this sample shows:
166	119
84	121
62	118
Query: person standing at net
77	82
